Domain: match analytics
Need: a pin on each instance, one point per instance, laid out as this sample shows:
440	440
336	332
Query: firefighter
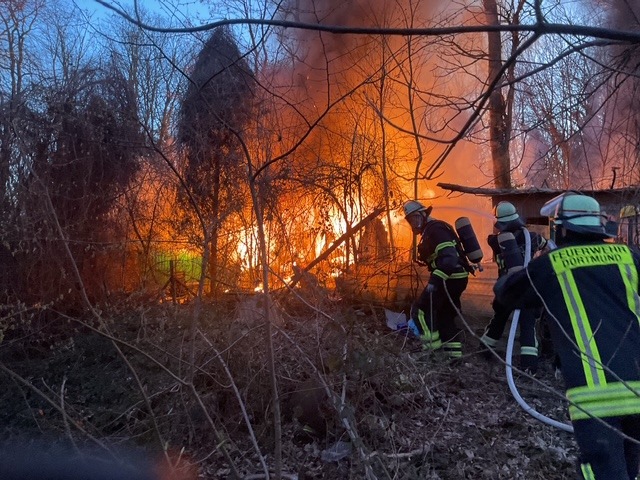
589	289
433	314
508	220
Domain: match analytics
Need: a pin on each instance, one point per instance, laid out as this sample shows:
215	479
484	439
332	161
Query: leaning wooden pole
351	231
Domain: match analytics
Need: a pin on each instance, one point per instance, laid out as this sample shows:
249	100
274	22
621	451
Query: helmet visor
550	208
416	220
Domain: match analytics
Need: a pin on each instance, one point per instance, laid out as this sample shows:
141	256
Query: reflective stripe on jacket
438	249
591	294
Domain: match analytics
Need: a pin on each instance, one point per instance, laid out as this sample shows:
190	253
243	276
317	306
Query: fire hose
509	358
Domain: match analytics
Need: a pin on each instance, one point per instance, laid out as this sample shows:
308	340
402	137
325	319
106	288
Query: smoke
329	66
622	14
373	72
619	135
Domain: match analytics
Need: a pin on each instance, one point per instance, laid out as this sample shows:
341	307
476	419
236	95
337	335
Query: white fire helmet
413	206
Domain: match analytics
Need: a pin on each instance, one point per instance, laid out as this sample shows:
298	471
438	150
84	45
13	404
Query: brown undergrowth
358	399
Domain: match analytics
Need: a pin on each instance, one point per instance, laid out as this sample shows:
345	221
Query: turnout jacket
440	250
538	242
590	291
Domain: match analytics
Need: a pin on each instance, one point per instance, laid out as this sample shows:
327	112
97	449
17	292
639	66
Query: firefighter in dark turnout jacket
589	288
439	249
508	220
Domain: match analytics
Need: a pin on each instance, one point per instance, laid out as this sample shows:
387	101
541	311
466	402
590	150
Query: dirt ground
357	399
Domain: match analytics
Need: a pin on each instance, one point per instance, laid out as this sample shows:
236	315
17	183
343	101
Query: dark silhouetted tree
214	112
87	143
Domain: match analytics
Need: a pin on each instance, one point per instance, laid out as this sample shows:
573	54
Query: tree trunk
498	131
213	245
384	166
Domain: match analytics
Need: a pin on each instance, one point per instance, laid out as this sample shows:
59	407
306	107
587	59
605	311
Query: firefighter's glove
431	288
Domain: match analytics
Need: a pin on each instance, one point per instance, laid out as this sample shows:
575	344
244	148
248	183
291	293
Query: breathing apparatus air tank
469	241
511	252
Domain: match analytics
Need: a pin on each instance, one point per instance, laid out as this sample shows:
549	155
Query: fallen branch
351	231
